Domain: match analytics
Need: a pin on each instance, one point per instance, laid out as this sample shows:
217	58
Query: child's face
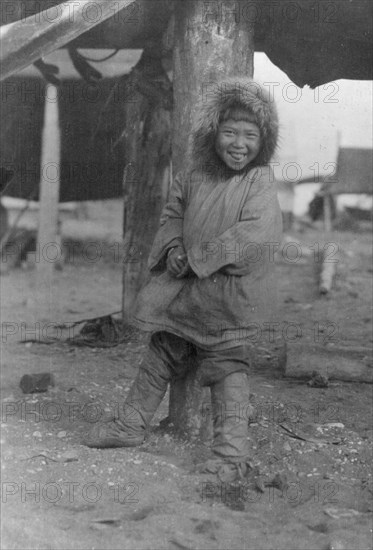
237	143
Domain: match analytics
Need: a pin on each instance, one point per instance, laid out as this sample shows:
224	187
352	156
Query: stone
37	383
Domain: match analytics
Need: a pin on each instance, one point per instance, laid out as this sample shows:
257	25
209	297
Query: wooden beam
29	39
209	45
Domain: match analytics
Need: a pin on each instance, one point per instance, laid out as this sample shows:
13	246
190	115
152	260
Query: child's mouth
237	157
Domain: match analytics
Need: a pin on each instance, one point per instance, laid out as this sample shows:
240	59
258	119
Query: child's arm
170	233
248	243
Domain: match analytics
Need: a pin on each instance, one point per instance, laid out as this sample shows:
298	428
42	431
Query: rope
100	60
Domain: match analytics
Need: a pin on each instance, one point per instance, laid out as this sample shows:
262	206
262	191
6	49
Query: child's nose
239	141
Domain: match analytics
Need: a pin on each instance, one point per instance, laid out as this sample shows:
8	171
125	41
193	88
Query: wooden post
327	273
211	43
147	150
327	212
48	244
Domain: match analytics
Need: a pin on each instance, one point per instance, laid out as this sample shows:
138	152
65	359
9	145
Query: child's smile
237	143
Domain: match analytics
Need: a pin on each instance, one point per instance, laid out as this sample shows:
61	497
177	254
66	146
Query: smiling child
212	275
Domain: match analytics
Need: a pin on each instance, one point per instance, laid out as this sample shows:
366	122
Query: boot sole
110	443
102	437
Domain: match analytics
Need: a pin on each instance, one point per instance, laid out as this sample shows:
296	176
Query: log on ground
349	364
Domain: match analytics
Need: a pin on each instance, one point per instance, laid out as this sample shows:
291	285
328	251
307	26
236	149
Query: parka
230	225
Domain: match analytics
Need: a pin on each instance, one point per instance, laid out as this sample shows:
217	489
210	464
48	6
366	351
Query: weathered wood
208	47
48	241
187	398
327	213
29	39
327	272
147	149
334	362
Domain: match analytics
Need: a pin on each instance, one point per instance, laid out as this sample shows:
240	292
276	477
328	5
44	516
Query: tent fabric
22	116
312	42
91	166
354	172
317	42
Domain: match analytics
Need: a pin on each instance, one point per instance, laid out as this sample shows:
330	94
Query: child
211	267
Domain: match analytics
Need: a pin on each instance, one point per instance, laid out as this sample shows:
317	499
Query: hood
216	99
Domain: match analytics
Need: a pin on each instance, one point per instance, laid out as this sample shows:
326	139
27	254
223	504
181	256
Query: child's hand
185	271
176	261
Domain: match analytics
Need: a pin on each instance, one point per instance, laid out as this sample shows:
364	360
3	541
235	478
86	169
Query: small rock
69	456
36	383
336	545
334	425
318	380
287	447
37	434
141	514
100	524
9	398
61	434
319	527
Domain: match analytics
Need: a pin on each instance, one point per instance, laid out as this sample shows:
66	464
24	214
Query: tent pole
48	241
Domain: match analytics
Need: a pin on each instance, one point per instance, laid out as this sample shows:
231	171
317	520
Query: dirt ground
311	446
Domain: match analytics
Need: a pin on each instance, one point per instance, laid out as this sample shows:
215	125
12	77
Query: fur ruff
242	93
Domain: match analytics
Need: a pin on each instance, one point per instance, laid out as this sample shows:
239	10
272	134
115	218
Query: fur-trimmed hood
245	94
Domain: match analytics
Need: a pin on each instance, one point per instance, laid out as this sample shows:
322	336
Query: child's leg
230	412
166	357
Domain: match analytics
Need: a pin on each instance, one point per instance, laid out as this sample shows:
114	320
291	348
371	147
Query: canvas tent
354	172
312	42
92	163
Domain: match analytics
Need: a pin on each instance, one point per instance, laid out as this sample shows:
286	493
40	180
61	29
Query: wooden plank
29	39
